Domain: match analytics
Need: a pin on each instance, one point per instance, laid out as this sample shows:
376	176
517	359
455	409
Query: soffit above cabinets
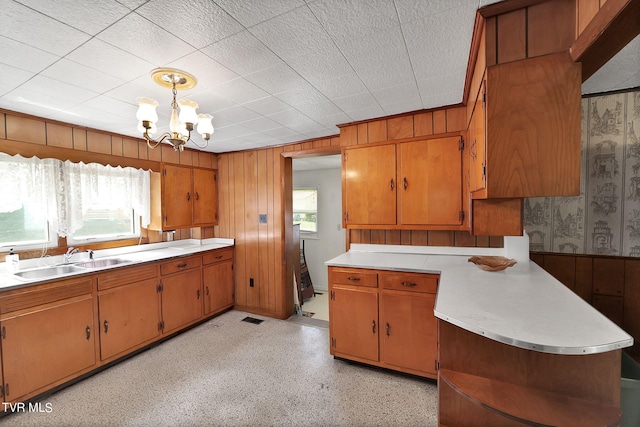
269	72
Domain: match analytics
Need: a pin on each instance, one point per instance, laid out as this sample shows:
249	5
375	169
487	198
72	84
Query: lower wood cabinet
181	299
48	332
45	345
129	316
217	279
384	318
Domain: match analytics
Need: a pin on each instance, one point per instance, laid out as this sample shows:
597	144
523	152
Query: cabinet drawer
39	295
125	276
217	256
180	264
351	276
415	282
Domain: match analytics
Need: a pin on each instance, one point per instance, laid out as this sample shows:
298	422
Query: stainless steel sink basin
100	263
45	272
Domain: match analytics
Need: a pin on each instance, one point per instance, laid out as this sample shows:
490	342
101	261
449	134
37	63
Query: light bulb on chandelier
181	123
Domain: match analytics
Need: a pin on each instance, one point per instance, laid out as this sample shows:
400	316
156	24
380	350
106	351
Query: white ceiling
271	72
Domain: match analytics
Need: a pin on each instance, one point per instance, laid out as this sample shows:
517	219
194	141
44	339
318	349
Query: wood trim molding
314	152
478	26
26	149
408	113
506	6
614	26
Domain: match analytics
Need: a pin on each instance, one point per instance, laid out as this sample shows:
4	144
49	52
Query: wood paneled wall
610	284
253	183
33	136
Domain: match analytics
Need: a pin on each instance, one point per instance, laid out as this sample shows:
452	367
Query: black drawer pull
106	326
182	265
354	279
219	256
409	284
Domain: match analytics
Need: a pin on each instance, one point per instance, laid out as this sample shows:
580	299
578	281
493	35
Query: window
28	208
305	209
43	199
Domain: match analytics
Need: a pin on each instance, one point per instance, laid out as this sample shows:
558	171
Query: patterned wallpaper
605	218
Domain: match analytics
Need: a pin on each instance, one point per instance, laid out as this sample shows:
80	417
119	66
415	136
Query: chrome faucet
70	252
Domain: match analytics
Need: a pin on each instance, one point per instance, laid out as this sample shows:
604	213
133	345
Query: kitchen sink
100	263
45	272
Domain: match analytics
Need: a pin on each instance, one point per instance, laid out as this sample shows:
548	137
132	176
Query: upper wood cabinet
525	129
183	197
417	183
370	185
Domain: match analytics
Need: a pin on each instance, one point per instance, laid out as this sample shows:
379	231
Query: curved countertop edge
450	263
135	255
536	347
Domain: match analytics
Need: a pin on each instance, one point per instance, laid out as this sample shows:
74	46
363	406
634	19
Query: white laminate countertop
523	306
132	254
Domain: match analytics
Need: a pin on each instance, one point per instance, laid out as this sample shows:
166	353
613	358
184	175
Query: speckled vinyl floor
226	372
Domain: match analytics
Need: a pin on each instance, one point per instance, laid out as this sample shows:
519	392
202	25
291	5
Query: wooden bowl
492	263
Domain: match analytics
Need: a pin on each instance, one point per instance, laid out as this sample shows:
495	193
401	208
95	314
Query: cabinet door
477	143
44	346
129	316
430	180
181	299
205	203
219	287
177	197
408	331
370	185
353	319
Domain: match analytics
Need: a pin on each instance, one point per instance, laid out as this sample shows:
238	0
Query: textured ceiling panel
270	72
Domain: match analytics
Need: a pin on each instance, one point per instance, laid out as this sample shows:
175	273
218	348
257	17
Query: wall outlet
263	218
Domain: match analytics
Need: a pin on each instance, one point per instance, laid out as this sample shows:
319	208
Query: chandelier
182	123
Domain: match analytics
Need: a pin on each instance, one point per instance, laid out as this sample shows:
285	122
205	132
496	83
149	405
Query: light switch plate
263	218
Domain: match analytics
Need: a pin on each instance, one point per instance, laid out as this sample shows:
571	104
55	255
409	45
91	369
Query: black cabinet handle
198	293
88	331
188	196
106	326
409	284
391	184
197	196
354	279
406	183
182	265
373	326
388	329
206	290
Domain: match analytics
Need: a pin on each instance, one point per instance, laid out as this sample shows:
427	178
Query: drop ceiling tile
146	40
355	18
4	88
341	86
319	109
250	12
234	131
36	103
242	53
281	132
209	102
334	120
90	17
355	102
306	46
386	76
289	117
79	75
240	91
442	99
132	4
23	56
430	87
301	95
236	114
276	79
411	10
371	112
57	89
261	124
197	22
395	94
305	124
622	71
25	25
82	114
208	72
109	59
402	107
372	51
267	106
12	76
114	106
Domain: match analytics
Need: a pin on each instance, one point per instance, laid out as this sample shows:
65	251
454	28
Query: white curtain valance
65	190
